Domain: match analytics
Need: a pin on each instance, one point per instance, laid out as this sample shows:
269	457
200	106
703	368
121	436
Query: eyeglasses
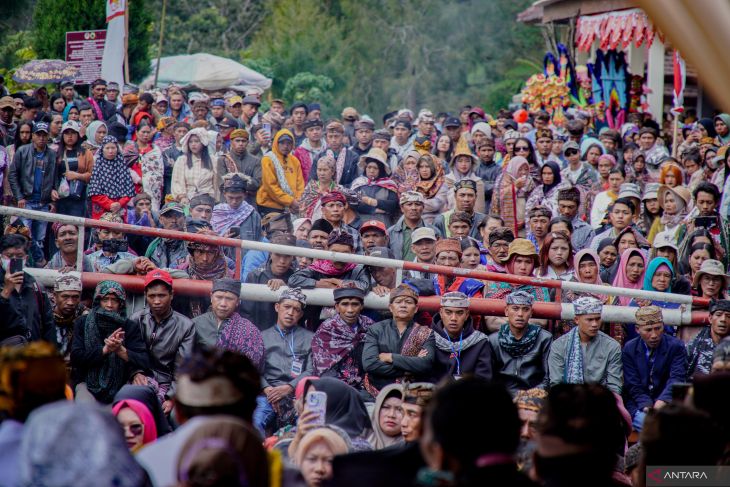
571	152
136	429
521	148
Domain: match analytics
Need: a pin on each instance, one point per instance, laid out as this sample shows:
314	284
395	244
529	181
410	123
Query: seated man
338	343
330	274
383	278
67	241
423	243
288	359
653	362
275	273
334	205
416	397
319	234
529	405
520	350
498	247
201	207
169	253
701	347
448	253
398	347
465	193
271	224
113	246
460	349
585	354
460	225
168	334
68	308
223	327
107	350
235	217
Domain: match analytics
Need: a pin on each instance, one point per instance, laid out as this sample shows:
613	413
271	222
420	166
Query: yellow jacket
270	193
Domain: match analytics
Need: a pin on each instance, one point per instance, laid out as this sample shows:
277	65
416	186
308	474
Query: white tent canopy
206	72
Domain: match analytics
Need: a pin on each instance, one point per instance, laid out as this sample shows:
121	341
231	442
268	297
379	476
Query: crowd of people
104	386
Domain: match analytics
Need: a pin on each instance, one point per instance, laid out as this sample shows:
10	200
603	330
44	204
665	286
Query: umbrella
45	71
207	72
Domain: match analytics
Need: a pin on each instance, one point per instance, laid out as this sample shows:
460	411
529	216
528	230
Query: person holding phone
26	310
235	217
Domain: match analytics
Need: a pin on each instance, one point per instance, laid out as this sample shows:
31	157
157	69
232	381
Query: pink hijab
514	165
576	264
150	428
622	281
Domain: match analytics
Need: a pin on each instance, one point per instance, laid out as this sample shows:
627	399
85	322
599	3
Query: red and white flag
112	64
680	80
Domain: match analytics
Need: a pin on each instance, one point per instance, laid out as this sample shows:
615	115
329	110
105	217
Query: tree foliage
53	18
221	27
307	87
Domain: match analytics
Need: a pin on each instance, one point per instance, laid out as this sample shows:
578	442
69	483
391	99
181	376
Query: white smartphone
317	402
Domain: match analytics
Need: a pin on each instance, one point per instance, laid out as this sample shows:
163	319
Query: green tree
53	18
307	87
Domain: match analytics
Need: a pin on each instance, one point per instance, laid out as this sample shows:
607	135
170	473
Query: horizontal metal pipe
324	297
360	259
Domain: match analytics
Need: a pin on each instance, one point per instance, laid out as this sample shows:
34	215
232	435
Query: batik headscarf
107	377
622	281
406	179
430	187
110	177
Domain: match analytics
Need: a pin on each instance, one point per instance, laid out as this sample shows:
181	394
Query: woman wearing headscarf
75	164
107	350
151	399
675	203
586	269
431	185
111	186
722	128
145	163
510	194
630	273
71	112
590	150
69	443
310	203
386	417
345	410
377	192
137	422
658	278
282	181
406	174
316	452
194	171
546	194
95	133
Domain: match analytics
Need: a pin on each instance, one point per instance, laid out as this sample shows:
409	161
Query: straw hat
377	155
679	191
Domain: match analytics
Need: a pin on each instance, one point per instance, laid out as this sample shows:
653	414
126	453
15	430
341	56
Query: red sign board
85	50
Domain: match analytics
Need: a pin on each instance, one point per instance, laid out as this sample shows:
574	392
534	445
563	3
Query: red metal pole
135	284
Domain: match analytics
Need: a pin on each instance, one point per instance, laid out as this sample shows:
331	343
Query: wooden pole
126	43
159	46
675	149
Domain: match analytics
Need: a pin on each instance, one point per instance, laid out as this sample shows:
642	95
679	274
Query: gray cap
423	233
651	191
228	285
382	252
629	190
571	144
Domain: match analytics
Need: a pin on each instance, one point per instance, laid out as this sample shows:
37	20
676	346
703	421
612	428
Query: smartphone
234	232
267	127
705	221
317	402
16	265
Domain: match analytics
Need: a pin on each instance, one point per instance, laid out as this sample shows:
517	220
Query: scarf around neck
327	267
225	217
573	373
105	379
517	348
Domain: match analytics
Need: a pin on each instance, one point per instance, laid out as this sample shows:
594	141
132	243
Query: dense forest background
376	55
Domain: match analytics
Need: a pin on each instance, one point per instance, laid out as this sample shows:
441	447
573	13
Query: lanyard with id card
296	364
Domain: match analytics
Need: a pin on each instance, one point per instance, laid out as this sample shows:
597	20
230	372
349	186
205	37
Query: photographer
114	246
706	215
27	312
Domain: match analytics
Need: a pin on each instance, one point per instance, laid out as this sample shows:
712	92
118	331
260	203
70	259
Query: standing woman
54	135
510	194
194	171
95	133
443	149
110	186
75	164
675	203
145	160
464	165
310	204
651	210
431	185
546	194
406	174
630	275
22	137
377	193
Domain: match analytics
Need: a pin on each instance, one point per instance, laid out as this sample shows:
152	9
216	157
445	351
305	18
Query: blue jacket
670	366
